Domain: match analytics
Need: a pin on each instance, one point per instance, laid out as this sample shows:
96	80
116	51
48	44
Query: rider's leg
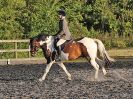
60	42
58	51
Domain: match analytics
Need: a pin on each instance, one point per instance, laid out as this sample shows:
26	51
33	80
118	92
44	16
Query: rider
63	34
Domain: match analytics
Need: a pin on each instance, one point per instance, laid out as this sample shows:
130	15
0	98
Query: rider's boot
58	58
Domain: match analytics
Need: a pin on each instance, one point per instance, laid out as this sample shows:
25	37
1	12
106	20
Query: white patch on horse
42	42
64	56
60	42
90	45
49	41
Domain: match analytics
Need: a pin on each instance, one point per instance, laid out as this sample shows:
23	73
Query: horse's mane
40	36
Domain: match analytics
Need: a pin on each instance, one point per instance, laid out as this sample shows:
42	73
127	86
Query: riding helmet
62	12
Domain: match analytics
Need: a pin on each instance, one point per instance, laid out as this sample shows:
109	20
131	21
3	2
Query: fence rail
15	50
10	41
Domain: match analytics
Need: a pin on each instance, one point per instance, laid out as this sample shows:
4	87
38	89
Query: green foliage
6	45
9	27
21	19
22	45
118	43
7	55
22	55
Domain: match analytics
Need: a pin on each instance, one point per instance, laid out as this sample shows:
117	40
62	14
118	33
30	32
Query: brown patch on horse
75	50
84	50
48	53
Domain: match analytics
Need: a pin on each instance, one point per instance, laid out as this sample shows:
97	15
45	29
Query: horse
91	49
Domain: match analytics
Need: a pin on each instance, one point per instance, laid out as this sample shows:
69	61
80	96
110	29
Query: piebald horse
70	50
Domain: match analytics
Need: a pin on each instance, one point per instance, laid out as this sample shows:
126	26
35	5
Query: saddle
66	42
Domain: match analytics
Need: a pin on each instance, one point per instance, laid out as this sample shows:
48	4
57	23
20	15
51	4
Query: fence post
16	56
15	49
29	52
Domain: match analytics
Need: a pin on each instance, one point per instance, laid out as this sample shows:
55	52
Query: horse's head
34	46
39	41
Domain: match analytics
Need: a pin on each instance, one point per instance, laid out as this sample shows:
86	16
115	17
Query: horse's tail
103	52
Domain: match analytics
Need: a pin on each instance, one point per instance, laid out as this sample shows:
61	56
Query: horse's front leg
46	71
64	68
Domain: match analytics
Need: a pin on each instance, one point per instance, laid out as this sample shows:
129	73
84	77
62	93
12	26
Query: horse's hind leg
64	68
96	66
46	71
102	64
104	71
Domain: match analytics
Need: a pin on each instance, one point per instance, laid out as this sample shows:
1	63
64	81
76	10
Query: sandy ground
21	82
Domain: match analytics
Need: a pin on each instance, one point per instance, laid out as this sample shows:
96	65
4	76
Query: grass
121	52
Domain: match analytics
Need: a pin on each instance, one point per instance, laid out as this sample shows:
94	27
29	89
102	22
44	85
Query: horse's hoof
69	78
105	73
96	78
40	79
108	75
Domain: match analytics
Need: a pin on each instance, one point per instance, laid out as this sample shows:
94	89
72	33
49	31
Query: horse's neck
50	45
48	48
